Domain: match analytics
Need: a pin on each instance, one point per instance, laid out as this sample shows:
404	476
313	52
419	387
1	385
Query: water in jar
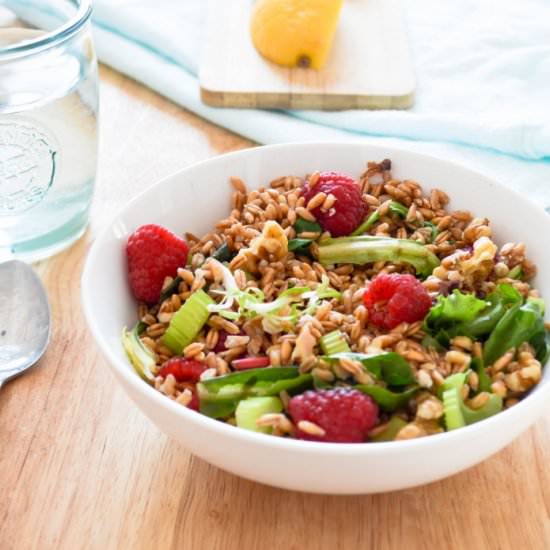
48	145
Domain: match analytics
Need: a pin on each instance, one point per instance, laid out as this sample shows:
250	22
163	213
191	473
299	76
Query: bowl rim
279	443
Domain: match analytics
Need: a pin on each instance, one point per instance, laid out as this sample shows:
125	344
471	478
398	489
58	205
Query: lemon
295	32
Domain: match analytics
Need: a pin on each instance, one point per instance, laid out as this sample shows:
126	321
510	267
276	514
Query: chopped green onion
394	207
141	358
399	209
334	342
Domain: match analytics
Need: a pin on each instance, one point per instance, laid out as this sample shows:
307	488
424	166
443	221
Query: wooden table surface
81	467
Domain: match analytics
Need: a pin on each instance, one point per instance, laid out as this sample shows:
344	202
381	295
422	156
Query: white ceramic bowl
193	200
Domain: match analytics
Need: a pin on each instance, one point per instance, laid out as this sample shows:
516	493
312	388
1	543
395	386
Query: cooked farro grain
267	266
310	428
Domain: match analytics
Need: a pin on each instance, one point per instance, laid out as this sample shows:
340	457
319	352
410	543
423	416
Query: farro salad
331	309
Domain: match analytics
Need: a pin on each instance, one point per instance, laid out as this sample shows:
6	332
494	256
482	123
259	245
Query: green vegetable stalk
188	321
334	342
142	359
368	249
456	413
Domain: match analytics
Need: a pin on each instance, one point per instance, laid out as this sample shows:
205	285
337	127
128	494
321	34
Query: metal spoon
24	319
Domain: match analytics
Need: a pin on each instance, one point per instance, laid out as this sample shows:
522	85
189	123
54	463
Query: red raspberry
183	370
346	415
154	253
394	298
220	346
348	211
194	403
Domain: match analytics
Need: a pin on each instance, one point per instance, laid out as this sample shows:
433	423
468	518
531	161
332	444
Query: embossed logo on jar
27	165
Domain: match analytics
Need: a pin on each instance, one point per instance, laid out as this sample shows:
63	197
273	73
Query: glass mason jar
48	125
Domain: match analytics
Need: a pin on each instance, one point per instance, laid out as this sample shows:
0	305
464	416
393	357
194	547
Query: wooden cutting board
369	65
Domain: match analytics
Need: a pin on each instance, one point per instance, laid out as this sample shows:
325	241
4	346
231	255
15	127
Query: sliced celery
452	405
188	321
334	342
250	410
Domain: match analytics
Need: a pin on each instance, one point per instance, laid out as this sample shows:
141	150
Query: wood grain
81	468
369	66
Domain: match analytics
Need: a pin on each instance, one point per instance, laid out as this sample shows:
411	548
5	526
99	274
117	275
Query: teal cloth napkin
483	82
483	90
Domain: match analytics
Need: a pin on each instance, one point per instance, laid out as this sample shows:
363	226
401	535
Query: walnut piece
270	245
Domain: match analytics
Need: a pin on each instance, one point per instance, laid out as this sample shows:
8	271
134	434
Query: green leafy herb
250	377
388	400
518	325
172	288
223	253
485	381
392	429
431	342
499	301
299	245
457	307
390	367
466	315
394	208
220	396
435	230
399	209
367	224
516	272
305	226
320	384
